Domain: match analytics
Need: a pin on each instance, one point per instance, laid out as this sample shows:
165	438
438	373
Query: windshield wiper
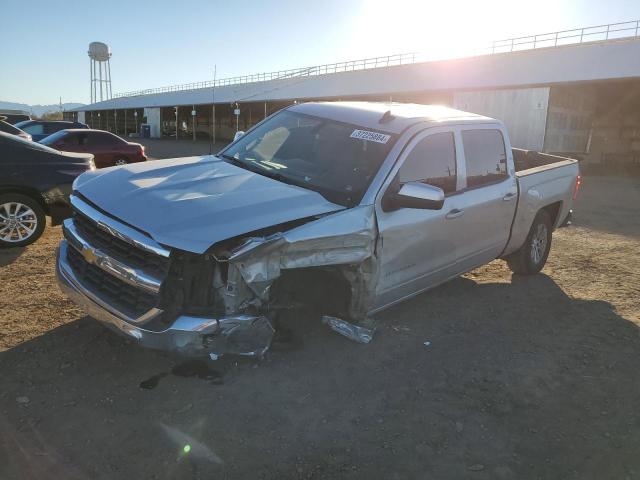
236	162
259	169
255	167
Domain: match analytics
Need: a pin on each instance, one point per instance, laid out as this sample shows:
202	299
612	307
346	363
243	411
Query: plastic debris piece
241	335
353	332
427	343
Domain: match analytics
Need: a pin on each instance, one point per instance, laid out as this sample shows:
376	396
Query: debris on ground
352	331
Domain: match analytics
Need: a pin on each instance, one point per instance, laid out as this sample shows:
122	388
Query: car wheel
532	256
121	161
22	220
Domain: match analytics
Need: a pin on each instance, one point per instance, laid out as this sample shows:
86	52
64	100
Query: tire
531	257
22	220
121	161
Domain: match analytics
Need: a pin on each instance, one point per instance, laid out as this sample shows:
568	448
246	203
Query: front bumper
187	335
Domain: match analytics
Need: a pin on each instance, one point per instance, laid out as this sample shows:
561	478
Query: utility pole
176	122
193	120
213	111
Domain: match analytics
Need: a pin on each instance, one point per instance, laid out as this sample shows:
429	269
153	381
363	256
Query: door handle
455	213
509	196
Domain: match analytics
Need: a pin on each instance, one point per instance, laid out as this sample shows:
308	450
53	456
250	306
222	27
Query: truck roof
403	115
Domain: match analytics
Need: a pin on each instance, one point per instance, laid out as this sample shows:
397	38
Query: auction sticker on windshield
373	136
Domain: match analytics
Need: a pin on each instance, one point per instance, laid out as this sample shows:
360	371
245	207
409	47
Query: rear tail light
577	187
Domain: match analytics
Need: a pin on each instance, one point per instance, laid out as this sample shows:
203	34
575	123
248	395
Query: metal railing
568	37
555	39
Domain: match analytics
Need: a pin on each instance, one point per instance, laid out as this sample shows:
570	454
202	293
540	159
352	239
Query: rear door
54	127
417	250
71	142
101	144
486	203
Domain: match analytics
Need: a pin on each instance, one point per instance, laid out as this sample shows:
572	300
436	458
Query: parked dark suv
39	129
35	181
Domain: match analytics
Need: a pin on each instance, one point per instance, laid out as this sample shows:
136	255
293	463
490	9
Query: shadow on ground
518	381
9	255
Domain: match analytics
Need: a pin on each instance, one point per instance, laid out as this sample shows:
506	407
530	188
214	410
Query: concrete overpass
559	98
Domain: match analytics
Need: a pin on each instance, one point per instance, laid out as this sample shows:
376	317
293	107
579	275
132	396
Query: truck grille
127	299
149	262
114	263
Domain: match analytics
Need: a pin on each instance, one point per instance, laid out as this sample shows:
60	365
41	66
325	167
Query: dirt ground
523	378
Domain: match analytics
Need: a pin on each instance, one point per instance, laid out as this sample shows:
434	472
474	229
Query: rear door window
433	161
102	139
485	156
54	127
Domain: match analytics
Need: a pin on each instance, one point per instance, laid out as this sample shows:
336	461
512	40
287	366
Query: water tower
99	55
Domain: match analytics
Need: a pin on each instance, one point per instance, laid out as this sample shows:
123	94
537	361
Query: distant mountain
38	110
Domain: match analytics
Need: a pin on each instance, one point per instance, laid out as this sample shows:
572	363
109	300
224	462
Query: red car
108	149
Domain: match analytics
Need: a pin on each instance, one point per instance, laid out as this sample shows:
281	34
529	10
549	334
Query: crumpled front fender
343	238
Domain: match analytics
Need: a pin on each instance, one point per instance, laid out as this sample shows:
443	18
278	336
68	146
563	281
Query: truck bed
530	159
543	180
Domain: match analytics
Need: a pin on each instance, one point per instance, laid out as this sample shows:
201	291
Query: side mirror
418	195
238	135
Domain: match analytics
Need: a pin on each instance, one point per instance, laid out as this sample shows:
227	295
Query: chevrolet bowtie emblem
90	255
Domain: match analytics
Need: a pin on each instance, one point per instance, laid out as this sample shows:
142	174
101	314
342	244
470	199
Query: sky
157	43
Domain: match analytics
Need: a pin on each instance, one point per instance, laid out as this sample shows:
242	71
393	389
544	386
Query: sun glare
437	29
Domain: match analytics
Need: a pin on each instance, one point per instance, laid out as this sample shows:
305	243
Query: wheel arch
325	288
553	209
30	192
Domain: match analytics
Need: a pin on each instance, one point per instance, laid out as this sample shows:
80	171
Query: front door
416	247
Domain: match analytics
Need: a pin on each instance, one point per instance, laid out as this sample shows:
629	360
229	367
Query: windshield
336	159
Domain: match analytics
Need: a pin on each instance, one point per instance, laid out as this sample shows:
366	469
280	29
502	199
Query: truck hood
192	203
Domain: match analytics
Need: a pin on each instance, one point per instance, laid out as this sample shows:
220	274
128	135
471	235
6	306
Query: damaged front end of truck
227	299
246	282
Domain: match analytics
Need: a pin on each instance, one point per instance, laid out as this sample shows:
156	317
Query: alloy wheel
539	243
18	222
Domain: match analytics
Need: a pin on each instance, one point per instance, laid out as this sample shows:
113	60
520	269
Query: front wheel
531	257
121	161
22	220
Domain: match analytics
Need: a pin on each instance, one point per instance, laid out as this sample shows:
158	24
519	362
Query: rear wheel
532	256
121	161
22	220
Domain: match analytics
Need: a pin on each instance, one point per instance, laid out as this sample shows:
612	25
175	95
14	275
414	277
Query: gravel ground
523	378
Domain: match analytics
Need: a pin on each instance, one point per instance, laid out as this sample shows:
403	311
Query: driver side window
433	161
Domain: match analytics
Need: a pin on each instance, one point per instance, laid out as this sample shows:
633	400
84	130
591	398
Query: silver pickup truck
347	207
